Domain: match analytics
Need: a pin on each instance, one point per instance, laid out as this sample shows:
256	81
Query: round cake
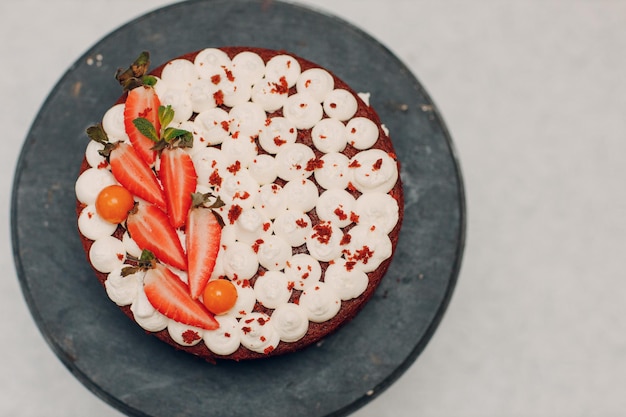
239	203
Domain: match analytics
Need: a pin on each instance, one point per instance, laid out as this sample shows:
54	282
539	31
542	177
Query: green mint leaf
166	115
149	80
184	137
146	128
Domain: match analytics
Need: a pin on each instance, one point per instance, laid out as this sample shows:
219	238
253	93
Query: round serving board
142	376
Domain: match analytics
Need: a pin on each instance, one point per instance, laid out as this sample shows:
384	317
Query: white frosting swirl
293	226
208	162
202	95
263	169
334	172
283	66
226	338
336	206
131	246
270	95
321	302
379	210
210	61
361	133
179	97
317	82
179	73
273	253
240	261
324	242
91	182
107	253
240	150
183	334
368	247
329	135
246	299
212	125
239	189
302	194
145	314
347	281
303	271
292	161
340	104
247	119
113	124
271	200
122	290
272	289
92	155
303	110
252	225
248	67
92	226
276	133
291	321
257	334
374	171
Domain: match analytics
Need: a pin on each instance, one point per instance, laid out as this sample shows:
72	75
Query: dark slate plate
142	376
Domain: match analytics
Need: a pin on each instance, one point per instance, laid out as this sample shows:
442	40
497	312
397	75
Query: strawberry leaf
184	137
132	77
146	128
97	133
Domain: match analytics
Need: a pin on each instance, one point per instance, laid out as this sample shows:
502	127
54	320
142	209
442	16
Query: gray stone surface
533	93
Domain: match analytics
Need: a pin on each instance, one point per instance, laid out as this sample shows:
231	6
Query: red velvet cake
239	203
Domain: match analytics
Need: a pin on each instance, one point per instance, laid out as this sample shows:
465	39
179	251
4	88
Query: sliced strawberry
170	297
135	175
179	180
142	102
150	228
203	243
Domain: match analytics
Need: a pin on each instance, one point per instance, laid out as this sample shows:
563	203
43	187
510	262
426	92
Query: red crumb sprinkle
373	227
354	164
268	350
278	141
225	125
234	213
261	321
354	217
305	275
218	96
314	164
346	239
262	338
351	186
307	83
245	283
333	105
234	168
229	74
353	131
303	105
363	254
226	334
341	215
248	321
216	79
246	329
256	245
268	121
103	164
90	214
235	135
120	256
215	179
377	164
290	285
350	265
189	336
323	233
302	223
281	87
266	226
241	195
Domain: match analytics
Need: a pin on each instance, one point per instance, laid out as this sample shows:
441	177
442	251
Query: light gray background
534	95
